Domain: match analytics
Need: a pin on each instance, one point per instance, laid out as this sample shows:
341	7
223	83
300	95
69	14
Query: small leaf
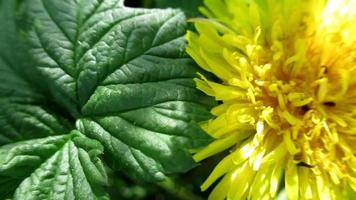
57	167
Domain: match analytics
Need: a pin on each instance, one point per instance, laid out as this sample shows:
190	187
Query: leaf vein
55	22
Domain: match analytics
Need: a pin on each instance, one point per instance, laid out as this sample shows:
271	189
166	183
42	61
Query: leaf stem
177	190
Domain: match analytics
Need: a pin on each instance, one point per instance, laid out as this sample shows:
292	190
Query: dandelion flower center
288	91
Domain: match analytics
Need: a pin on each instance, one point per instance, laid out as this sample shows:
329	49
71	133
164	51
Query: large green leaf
57	167
118	75
125	72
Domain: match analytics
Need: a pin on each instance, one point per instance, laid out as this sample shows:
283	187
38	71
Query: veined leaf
25	112
118	75
57	167
126	72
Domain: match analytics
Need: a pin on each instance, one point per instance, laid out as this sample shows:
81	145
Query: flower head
287	89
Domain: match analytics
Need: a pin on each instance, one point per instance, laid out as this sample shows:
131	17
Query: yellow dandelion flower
287	88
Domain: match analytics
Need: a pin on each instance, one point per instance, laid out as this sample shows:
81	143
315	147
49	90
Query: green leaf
123	72
190	7
119	75
25	120
57	167
25	112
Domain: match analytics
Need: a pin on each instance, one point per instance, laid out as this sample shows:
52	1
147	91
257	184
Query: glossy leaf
127	71
118	77
57	167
